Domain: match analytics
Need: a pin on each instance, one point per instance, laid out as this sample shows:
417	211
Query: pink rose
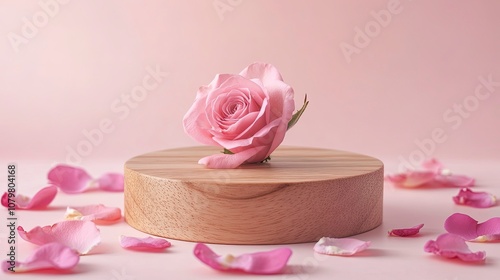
247	114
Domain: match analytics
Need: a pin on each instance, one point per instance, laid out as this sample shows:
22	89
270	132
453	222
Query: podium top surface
288	164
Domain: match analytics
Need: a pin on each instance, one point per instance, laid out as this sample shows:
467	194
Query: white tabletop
387	258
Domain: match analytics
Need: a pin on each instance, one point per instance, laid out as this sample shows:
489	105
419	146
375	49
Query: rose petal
488	230
474	199
281	103
340	246
248	125
196	126
96	213
462	225
111	182
411	179
432	174
269	262
143	243
469	229
39	201
403	232
453	246
49	256
69	179
76	180
262	138
81	236
262	71
452	180
396	179
229	160
418	178
432	165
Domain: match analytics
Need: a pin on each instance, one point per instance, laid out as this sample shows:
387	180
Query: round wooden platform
301	195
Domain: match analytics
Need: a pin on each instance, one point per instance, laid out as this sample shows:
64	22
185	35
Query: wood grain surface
301	195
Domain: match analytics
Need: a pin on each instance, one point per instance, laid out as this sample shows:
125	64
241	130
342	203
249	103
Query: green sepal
228	152
298	114
268	158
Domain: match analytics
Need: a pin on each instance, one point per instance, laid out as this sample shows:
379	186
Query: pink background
393	92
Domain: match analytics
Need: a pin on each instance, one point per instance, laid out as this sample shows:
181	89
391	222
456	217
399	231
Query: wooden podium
301	195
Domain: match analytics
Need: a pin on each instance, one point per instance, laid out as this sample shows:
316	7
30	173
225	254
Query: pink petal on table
468	228
417	178
5	200
111	182
411	179
269	262
403	232
451	180
49	256
432	174
81	236
69	179
462	225
453	246
488	230
474	199
40	200
96	213
146	243
432	165
340	246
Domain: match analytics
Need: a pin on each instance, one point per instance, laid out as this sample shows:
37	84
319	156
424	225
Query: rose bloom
247	114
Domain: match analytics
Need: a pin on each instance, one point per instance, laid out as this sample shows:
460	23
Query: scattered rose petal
69	179
97	213
73	180
447	179
403	232
453	246
469	229
40	200
411	179
49	256
147	243
340	246
269	262
432	174
81	236
471	198
462	225
432	165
